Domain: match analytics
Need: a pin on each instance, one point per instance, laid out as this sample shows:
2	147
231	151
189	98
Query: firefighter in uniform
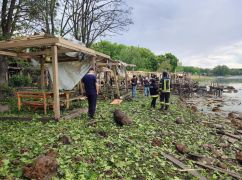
165	91
154	92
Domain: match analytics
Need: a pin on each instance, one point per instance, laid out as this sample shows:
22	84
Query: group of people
154	87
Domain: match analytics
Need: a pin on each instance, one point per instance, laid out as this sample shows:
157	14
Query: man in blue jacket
165	91
92	90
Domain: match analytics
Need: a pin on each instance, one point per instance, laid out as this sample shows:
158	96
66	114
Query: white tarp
121	71
70	73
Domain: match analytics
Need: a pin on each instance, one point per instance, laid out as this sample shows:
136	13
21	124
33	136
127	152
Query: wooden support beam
28	43
126	82
94	63
116	82
8	53
55	82
42	74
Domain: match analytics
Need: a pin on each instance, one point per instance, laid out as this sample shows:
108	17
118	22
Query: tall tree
12	14
88	20
166	59
43	14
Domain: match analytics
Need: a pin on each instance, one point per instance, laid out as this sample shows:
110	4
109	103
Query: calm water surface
233	101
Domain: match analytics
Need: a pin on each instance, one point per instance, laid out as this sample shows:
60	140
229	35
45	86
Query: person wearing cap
134	86
154	92
92	90
146	87
165	90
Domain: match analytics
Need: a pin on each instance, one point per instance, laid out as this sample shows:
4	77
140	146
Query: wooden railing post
55	82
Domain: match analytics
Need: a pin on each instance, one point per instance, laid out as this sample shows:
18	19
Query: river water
232	101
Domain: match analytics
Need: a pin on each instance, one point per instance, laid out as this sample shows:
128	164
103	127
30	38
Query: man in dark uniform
154	92
91	88
165	90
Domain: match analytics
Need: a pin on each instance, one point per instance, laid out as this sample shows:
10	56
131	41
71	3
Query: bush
19	81
6	93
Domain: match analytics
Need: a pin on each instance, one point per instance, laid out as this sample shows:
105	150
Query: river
232	101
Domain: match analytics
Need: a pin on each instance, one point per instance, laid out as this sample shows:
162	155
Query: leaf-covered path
103	150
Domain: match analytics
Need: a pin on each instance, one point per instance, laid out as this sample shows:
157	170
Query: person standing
154	92
165	90
92	90
146	87
134	86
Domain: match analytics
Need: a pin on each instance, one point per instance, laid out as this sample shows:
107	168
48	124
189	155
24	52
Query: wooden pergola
112	64
45	48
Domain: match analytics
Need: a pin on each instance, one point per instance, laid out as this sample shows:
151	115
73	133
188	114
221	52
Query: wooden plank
28	43
8	53
183	166
66	43
233	174
45	52
74	114
55	82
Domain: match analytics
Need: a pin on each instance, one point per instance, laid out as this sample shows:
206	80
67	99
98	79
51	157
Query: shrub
19	81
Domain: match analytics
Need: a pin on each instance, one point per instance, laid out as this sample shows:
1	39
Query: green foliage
125	153
168	62
19	81
143	58
221	70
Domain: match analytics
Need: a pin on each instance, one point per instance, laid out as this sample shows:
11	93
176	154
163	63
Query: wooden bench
45	99
35	99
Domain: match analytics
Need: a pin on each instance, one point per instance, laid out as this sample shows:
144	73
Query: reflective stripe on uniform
154	96
167	89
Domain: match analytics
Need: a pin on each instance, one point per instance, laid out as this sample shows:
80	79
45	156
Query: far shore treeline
146	60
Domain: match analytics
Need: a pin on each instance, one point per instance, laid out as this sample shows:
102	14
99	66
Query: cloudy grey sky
201	33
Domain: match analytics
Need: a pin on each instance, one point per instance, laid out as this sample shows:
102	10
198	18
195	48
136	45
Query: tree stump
121	118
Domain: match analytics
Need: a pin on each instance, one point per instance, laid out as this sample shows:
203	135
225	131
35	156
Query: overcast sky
202	33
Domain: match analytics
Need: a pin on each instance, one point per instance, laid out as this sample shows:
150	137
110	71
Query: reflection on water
233	101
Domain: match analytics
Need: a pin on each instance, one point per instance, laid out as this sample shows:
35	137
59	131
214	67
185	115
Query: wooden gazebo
43	46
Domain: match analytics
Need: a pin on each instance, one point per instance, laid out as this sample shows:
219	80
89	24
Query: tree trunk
3	70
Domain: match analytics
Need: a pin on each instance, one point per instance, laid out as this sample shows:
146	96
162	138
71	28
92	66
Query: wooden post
55	82
81	88
94	63
116	82
42	77
126	82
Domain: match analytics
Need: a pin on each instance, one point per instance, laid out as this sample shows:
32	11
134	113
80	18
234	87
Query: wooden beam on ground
183	166
55	82
233	174
75	113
